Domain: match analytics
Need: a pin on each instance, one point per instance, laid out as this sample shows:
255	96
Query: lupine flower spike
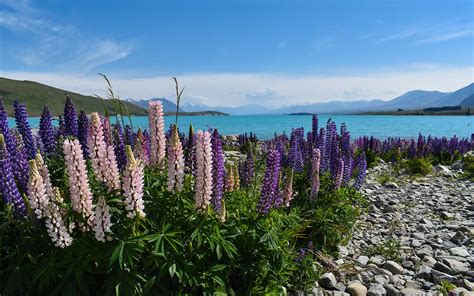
175	162
46	131
133	185
315	163
102	220
218	170
70	119
340	171
203	170
157	133
21	118
288	191
37	191
79	188
230	181
270	195
55	225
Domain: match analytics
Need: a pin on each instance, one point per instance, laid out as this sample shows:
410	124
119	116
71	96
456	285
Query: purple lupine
270	194
362	171
8	187
249	170
70	119
191	150
119	146
8	137
296	154
21	119
314	131
218	170
339	173
129	136
21	165
46	131
82	132
321	147
105	121
348	164
315	167
146	143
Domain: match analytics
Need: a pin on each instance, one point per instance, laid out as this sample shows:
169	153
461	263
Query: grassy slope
36	95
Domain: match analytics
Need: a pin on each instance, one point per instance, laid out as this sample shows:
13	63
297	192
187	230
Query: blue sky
239	52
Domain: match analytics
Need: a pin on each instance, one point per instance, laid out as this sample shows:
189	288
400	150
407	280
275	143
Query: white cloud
234	89
63	46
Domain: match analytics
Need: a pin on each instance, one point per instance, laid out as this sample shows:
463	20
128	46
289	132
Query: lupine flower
120	147
296	155
348	164
157	132
175	163
20	163
79	188
5	131
236	178
129	136
21	119
140	147
321	146
315	164
57	230
249	169
82	132
70	119
8	187
203	170
222	213
133	185
288	191
37	191
44	172
102	220
270	195
230	181
107	130
102	155
362	171
340	171
146	145
314	131
218	170
46	131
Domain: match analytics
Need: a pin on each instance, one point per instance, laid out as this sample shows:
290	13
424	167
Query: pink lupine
102	155
339	173
55	225
79	188
203	170
140	150
175	163
133	185
157	132
44	172
37	191
288	191
236	178
102	220
315	163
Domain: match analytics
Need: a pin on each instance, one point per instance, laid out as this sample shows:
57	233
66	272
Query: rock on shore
416	236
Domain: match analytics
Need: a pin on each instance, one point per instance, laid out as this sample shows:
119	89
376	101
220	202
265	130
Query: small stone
458	238
446	215
459	251
412	285
356	289
391	184
393	267
429	261
424	272
340	287
381	279
328	281
337	293
442	267
411	292
439	277
376	290
456	266
391	290
363	260
426	285
468	285
376	260
343	251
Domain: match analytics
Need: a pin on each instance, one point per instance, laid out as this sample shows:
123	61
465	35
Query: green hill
35	95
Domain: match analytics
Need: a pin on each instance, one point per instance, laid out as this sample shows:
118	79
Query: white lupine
133	185
102	220
37	191
203	170
55	226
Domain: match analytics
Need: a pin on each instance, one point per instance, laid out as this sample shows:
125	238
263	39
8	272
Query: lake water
381	126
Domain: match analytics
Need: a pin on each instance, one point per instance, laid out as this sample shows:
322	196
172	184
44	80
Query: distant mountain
249	109
414	99
35	95
468	102
332	107
455	98
168	106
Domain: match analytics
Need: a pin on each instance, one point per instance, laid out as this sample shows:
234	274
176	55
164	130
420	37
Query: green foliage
446	287
417	166
468	166
384	178
389	249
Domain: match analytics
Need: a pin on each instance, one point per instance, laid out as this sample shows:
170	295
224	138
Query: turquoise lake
381	126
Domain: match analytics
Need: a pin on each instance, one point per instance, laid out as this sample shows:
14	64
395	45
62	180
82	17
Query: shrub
417	166
468	166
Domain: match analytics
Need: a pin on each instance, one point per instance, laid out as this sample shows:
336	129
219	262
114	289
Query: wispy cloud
423	34
61	45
